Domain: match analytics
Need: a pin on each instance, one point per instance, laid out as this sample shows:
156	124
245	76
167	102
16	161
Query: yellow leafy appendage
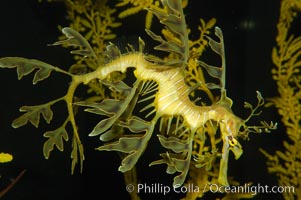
286	58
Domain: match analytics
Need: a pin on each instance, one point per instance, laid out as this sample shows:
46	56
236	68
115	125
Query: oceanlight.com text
249	188
158	188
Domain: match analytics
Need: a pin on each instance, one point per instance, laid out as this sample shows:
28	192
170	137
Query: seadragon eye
232	141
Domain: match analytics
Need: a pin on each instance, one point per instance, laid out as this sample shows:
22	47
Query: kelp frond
138	6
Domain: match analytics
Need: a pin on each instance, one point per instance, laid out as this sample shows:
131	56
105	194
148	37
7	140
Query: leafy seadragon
161	90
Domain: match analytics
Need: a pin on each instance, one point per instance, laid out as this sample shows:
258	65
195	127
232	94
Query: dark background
27	27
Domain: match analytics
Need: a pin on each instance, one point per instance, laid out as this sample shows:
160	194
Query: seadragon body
160	84
171	99
172	96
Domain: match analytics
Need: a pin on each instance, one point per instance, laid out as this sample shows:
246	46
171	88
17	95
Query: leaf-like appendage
107	107
182	165
237	150
254	110
174	20
248	105
74	38
260	99
173	143
136	125
110	107
113	133
112	52
77	154
176	163
32	115
25	66
119	86
55	138
171	169
133	146
216	72
113	108
124	144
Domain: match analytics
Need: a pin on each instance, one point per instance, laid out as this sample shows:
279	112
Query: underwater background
27	26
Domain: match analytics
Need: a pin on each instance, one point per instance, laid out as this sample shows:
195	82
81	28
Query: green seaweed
286	163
